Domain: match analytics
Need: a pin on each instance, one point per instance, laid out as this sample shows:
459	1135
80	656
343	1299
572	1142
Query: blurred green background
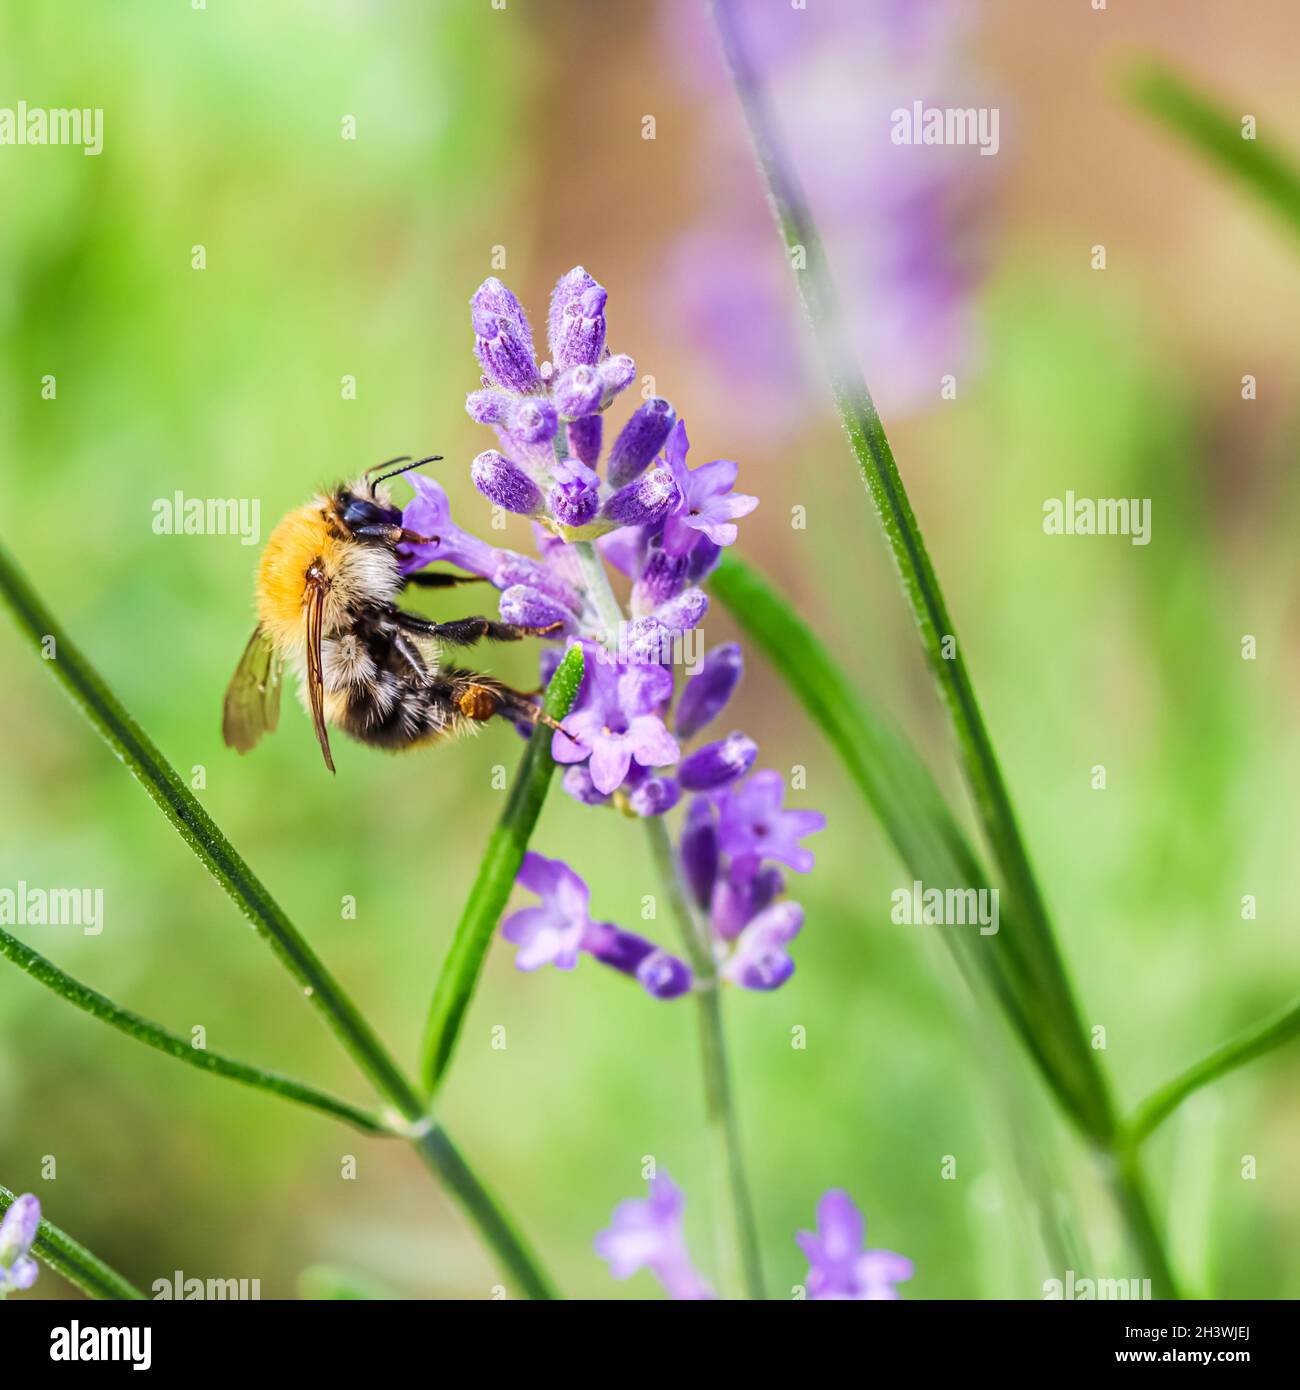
480	133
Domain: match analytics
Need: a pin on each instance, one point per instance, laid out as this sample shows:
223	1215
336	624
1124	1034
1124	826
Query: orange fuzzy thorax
300	540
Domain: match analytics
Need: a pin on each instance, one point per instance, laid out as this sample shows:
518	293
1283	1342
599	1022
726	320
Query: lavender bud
532	420
584	439
640	440
578	784
709	690
577	392
663	976
655	796
616	374
575	498
662	577
684	612
647	642
532	608
739	898
716	764
576	326
650	498
505	484
502	339
487	407
513	568
699	850
701	559
18	1229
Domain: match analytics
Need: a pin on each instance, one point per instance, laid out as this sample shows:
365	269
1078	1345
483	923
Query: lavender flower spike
839	1267
647	1234
505	484
576	325
17	1236
640	440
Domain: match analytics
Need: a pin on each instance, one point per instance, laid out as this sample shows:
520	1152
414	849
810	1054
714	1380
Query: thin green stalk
142	1030
496	877
739	1257
1128	1183
73	1261
1091	1103
736	1227
1269	171
1283	1027
129	742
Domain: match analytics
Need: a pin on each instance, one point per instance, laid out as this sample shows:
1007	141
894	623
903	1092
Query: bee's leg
479	698
408	653
464	632
431	579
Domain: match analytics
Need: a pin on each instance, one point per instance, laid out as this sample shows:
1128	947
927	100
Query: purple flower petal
707	693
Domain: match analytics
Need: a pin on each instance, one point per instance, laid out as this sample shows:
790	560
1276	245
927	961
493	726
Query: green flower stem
736	1228
73	1261
496	877
1216	133
101	1007
1281	1028
1091	1104
129	742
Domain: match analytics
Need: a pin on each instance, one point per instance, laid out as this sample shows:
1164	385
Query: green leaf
101	1007
1260	164
496	876
83	684
67	1257
1276	1031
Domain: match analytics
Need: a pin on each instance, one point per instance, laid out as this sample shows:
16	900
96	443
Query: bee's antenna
407	465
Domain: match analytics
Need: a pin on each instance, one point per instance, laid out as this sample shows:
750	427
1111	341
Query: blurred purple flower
559	929
17	1236
646	1233
754	823
839	1267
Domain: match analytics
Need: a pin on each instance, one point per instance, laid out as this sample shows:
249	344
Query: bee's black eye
358	512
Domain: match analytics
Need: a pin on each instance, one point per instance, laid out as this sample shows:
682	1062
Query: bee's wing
315	600
252	706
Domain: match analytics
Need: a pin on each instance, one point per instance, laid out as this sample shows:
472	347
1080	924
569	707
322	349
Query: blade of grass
73	1261
142	1030
129	742
1056	1009
496	877
1259	164
1276	1031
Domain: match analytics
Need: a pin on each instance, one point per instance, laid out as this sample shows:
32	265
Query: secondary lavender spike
584	439
505	484
707	692
646	500
640	440
576	325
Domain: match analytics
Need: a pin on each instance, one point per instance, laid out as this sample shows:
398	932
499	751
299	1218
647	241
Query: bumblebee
327	586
